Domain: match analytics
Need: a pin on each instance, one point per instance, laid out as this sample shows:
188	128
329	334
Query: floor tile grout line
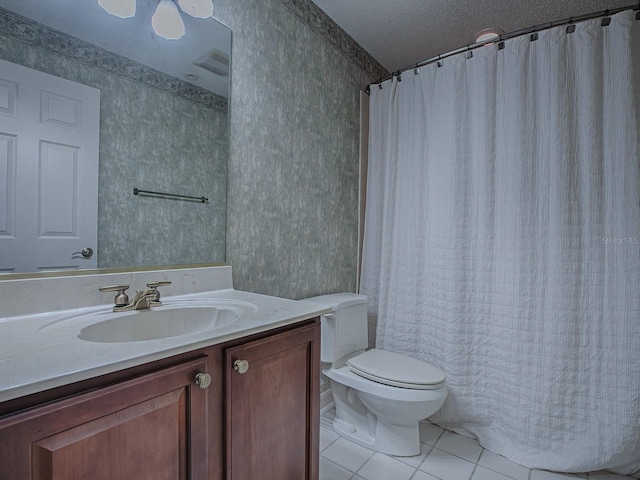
454	454
496	471
431	448
366	461
330	443
477	462
340	466
416	469
429	451
475	467
481	454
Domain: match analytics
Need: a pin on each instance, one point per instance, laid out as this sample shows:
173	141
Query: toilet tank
344	331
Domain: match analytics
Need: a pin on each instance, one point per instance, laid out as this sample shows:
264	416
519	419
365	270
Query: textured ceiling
401	33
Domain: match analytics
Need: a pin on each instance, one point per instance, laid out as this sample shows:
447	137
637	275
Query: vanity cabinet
150	427
272	409
155	421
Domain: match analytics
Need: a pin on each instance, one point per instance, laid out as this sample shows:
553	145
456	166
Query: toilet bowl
380	396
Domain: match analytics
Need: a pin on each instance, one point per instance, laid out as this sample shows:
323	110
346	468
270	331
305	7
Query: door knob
241	366
86	252
203	380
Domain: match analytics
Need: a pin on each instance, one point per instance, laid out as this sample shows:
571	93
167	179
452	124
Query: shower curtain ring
469	53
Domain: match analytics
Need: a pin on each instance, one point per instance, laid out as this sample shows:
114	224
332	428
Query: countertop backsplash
28	296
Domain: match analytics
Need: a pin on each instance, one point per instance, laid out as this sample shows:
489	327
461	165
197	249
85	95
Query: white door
49	138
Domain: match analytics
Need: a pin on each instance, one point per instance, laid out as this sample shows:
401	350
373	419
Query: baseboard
326	401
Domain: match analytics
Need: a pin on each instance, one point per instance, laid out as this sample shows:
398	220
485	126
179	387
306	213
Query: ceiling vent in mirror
214	61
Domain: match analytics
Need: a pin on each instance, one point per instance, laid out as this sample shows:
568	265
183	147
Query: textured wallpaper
292	185
293	168
154	141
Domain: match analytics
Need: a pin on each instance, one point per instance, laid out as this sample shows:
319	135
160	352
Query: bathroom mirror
163	127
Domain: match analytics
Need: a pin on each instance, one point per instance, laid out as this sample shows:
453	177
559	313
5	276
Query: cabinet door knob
203	380
241	366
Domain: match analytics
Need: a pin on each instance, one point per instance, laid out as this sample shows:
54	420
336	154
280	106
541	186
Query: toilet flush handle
328	320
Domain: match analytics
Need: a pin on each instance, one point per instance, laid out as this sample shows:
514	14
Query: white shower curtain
502	240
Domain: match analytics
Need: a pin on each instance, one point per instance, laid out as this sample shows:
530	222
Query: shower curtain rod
524	31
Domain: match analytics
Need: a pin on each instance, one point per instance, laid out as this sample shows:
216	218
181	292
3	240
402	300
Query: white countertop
43	351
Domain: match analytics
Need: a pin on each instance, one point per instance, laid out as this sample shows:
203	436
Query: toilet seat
396	370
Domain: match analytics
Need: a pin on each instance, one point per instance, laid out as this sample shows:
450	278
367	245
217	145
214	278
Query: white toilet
380	396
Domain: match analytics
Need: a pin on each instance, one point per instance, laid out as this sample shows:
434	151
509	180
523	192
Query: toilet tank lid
338	300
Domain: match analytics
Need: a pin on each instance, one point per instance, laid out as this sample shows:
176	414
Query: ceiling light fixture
119	8
167	21
487	34
197	8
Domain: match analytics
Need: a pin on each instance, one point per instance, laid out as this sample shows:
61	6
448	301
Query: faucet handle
154	286
122	298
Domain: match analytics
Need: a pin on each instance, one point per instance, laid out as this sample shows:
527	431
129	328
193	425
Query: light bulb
197	8
119	8
167	21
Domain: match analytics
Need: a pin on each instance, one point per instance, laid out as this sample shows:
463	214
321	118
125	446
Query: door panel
7	186
8	93
60	111
49	139
57	209
151	427
148	432
272	408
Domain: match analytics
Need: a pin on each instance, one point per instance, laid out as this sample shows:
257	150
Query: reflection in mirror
162	127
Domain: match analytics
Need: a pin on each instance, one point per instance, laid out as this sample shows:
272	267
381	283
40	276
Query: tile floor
444	456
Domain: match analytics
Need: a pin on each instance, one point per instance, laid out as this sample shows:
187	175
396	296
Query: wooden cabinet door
149	428
273	408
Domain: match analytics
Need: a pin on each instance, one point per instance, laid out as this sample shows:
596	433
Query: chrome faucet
143	299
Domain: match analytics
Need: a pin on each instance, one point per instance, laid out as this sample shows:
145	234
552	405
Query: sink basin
162	322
